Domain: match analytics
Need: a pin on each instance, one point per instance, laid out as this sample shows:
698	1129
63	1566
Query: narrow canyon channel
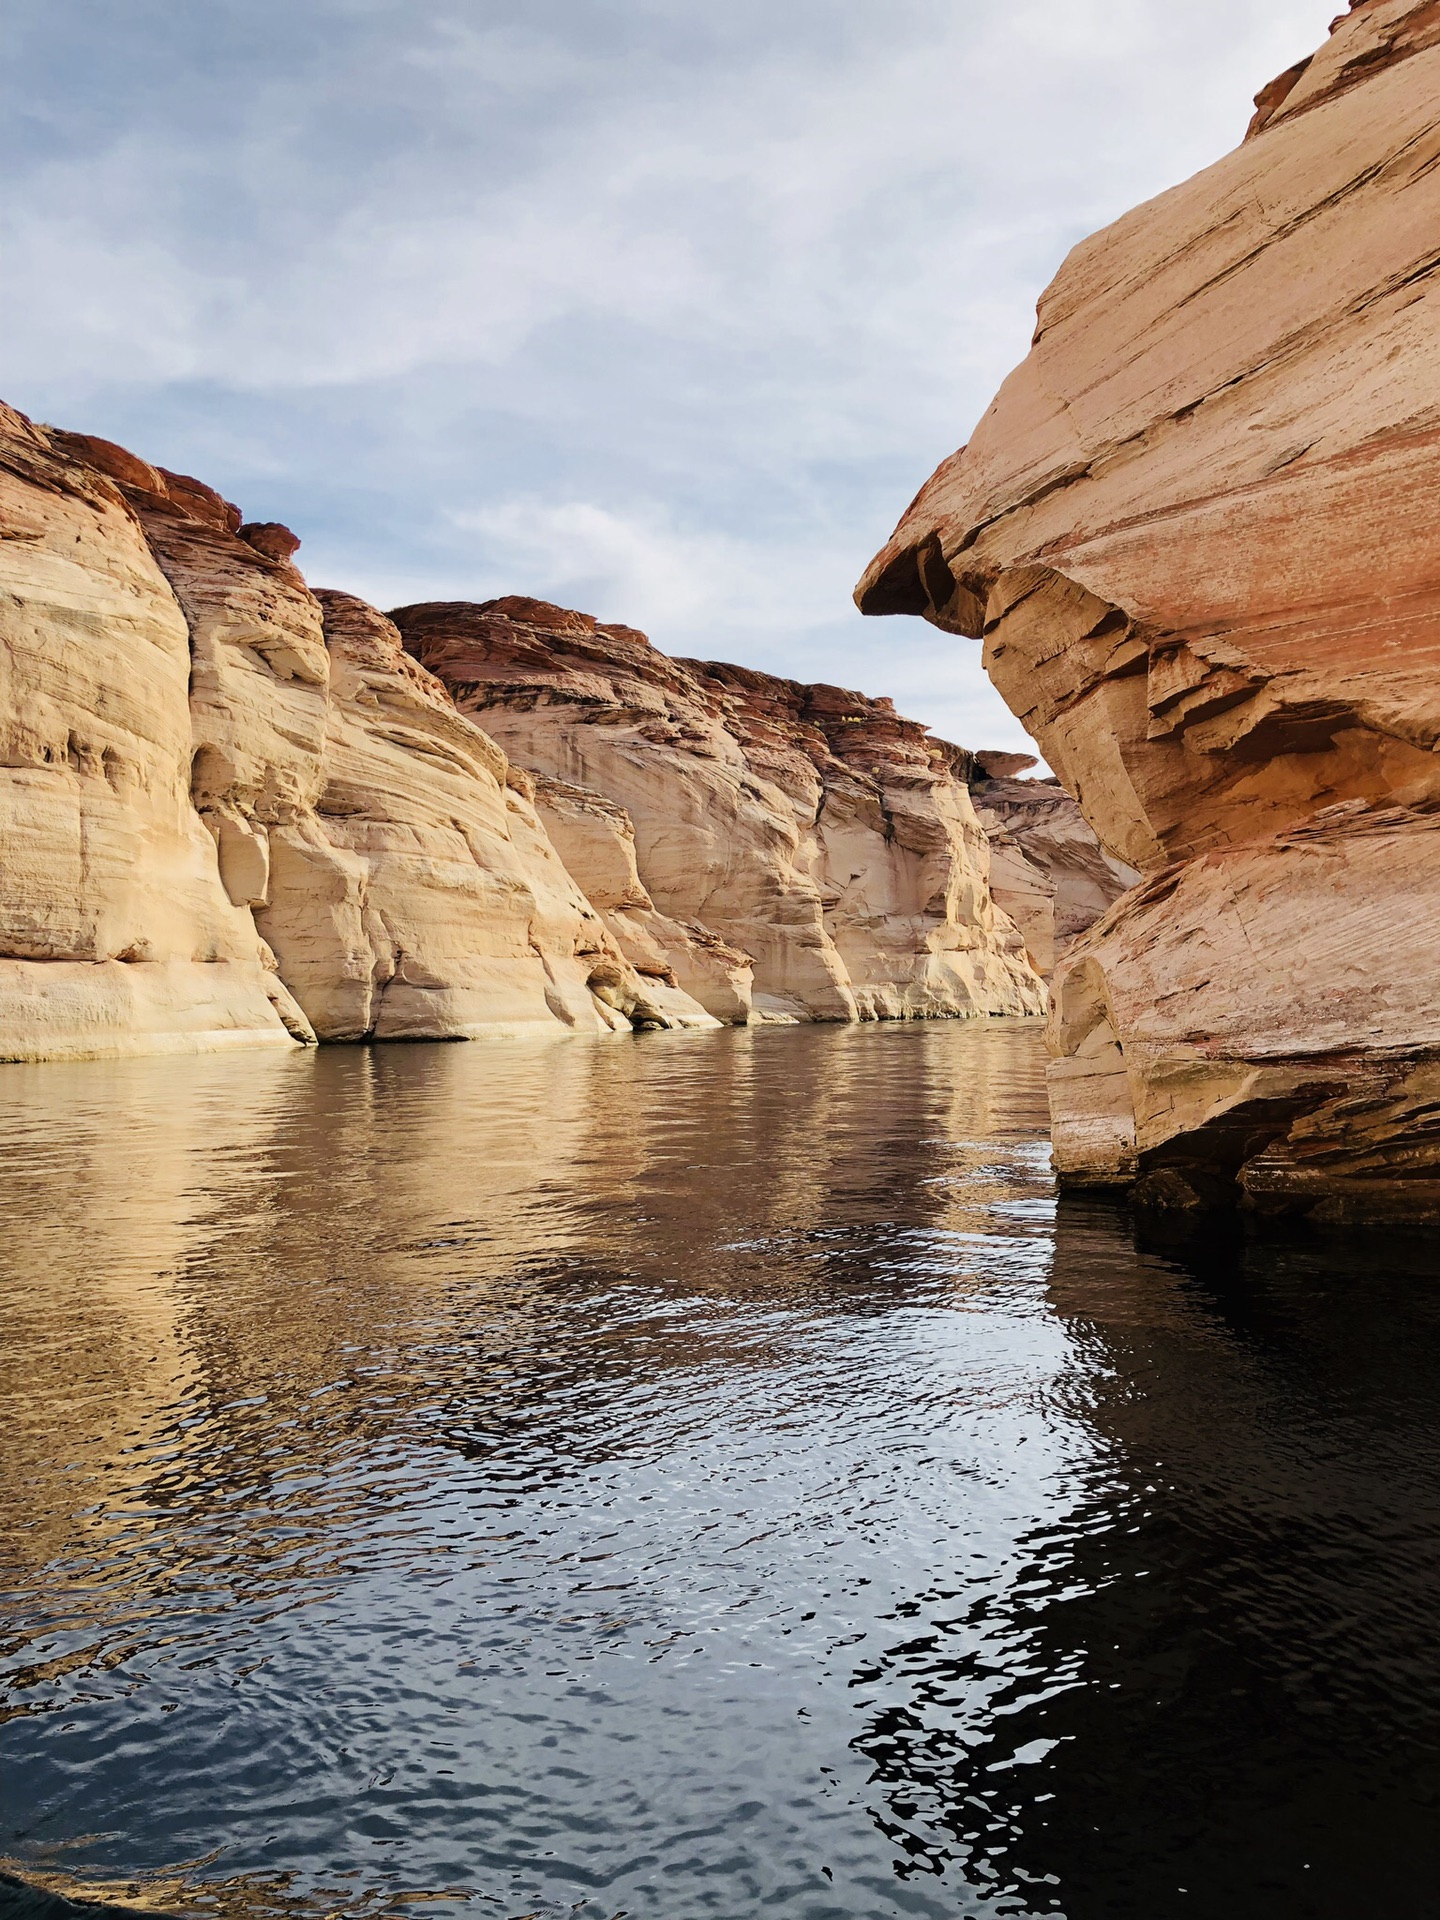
691	1475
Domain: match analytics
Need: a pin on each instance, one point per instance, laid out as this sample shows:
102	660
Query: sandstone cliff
1196	532
236	812
1048	870
595	838
809	830
903	861
115	931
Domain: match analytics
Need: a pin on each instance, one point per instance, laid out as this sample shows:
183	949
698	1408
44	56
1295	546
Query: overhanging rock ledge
1196	531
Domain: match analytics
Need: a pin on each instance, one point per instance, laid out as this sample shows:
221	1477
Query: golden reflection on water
691	1476
213	1270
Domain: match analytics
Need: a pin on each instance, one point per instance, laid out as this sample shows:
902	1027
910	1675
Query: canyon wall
1048	870
116	933
809	829
1196	532
235	812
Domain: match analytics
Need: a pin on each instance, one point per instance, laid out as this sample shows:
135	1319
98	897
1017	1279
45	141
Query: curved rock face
681	962
1196	532
1048	870
217	781
422	897
804	827
900	858
236	810
116	934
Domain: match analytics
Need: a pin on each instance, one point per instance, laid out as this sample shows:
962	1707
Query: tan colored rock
855	880
901	859
219	781
682	963
1264	1011
598	707
238	809
1048	870
421	898
115	932
1196	530
259	667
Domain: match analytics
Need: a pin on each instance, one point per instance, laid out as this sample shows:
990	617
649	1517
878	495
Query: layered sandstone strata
1196	532
236	811
1048	870
116	933
596	839
903	861
808	829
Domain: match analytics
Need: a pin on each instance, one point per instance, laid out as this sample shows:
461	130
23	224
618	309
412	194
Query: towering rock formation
233	811
237	811
807	828
1196	532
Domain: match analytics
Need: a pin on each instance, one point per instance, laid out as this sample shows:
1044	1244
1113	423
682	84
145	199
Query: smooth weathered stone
1196	531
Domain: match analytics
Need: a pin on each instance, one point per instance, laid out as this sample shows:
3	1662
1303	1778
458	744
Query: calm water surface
692	1476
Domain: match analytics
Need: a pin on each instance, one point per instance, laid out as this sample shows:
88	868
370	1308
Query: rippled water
692	1476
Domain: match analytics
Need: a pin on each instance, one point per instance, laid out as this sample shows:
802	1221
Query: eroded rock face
116	934
683	964
811	830
1195	531
423	897
239	811
901	860
1048	870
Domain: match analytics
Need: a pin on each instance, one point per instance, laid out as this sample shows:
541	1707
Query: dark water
692	1476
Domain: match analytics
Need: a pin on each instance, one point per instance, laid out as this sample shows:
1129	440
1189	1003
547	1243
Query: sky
658	308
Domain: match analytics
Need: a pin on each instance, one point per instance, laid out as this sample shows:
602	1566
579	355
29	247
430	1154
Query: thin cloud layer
654	307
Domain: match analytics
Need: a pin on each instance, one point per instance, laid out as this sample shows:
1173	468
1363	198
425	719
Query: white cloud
657	307
867	201
644	570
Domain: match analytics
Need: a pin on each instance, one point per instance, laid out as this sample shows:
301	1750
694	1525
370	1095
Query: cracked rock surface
1195	531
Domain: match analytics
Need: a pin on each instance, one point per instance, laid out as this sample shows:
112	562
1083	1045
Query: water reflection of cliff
240	1293
1129	1559
1212	1688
